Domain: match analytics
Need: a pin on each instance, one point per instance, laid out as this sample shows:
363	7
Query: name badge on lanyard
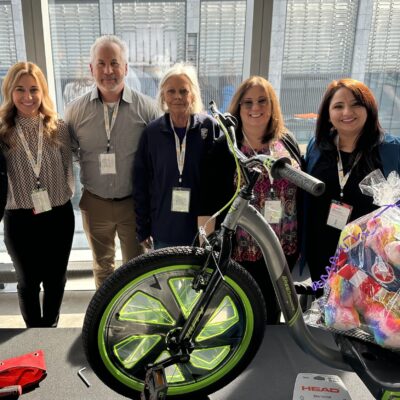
180	199
273	211
41	201
180	195
40	197
107	163
339	214
107	160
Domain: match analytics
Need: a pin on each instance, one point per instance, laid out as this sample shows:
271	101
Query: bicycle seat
379	368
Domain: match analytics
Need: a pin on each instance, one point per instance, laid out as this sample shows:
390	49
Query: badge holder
273	209
180	199
339	214
107	164
41	201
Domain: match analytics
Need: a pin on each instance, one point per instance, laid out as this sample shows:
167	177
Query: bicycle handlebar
283	169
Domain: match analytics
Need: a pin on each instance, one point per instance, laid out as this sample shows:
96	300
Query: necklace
267	146
248	142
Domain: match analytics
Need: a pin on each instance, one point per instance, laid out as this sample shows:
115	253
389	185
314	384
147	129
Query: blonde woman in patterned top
260	130
39	219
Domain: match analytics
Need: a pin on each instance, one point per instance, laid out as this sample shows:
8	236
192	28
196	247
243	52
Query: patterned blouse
56	171
246	248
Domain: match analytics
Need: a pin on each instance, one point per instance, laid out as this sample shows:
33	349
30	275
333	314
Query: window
12	49
74	26
220	65
12	43
318	39
382	70
331	39
155	34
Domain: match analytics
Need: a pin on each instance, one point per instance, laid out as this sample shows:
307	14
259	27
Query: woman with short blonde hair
168	162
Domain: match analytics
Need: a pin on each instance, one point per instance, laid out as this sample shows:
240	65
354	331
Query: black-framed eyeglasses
248	104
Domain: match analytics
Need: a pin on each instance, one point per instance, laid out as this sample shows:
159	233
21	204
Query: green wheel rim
177	386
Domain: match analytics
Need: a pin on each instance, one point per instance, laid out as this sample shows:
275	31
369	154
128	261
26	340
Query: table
271	375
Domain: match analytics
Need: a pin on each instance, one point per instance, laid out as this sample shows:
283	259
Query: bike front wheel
130	318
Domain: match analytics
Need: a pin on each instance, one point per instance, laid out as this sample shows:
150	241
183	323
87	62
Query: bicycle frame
350	356
244	215
247	217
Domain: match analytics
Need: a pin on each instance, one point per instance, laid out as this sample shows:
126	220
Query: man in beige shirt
105	126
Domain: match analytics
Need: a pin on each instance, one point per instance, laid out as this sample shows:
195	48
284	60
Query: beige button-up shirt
85	119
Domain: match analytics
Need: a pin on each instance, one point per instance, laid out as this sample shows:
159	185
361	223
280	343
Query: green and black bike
183	322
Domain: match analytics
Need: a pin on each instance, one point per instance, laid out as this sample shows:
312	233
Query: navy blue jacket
389	151
156	174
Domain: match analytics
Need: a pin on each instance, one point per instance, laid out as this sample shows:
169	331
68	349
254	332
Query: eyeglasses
248	104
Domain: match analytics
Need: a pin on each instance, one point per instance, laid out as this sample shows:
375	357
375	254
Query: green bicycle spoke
145	309
185	295
224	317
133	349
173	373
209	358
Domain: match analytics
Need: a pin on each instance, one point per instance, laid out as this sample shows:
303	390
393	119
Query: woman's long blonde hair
8	111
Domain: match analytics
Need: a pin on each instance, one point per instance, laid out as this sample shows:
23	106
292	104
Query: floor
78	292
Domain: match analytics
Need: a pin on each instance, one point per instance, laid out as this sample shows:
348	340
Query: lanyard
107	125
180	148
344	178
36	166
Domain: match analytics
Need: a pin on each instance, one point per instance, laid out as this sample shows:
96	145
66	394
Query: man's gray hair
106	39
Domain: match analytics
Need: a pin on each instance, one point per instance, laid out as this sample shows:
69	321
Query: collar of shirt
126	94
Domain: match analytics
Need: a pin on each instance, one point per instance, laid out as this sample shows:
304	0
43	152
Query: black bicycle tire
139	267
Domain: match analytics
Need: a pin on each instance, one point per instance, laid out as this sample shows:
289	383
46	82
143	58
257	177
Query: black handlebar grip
282	169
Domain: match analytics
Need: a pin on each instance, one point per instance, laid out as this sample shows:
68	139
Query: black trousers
39	246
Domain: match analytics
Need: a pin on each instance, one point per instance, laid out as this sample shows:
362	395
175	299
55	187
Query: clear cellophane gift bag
362	286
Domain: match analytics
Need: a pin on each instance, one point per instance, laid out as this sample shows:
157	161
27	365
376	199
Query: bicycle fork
180	341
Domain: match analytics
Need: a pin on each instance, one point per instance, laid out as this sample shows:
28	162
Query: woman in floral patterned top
260	130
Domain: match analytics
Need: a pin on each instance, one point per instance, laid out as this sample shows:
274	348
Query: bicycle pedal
155	384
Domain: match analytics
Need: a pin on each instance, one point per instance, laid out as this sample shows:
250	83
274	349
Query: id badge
107	163
180	199
273	211
41	201
339	214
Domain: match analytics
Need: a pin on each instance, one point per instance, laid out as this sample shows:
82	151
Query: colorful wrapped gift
362	291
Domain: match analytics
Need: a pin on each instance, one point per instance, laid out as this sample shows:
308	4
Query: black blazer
3	184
